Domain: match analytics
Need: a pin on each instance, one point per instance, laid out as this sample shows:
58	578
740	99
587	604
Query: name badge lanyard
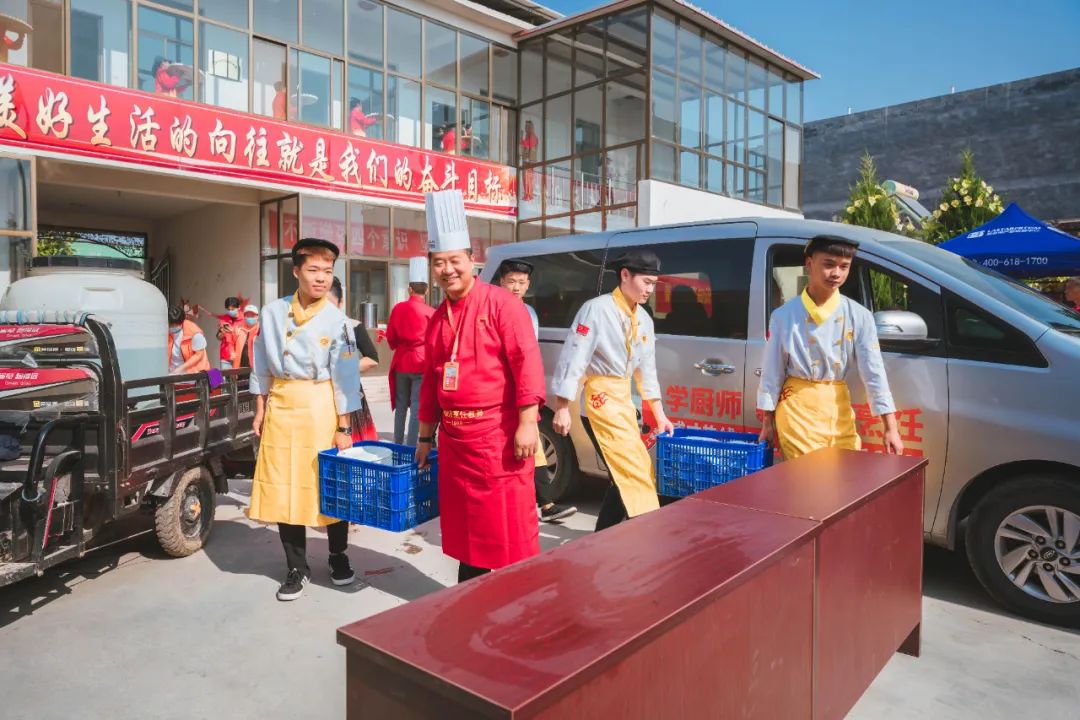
450	369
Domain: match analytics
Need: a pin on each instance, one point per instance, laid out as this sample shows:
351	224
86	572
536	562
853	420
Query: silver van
985	374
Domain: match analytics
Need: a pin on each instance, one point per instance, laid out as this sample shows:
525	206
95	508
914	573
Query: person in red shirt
359	122
529	144
449	140
405	331
280	102
1072	292
229	325
483	385
166	81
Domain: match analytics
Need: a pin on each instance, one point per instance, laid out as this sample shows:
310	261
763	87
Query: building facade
206	136
1023	134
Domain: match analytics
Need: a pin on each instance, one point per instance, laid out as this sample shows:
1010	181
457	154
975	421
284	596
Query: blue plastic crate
392	497
694	459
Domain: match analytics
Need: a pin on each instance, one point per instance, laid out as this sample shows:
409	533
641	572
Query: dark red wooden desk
703	609
868	559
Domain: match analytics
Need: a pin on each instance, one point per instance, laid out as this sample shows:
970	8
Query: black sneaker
293	587
341	571
554	512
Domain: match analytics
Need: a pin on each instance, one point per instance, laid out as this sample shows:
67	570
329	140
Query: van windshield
994	284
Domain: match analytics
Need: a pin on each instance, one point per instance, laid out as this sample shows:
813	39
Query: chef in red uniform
406	330
359	121
483	385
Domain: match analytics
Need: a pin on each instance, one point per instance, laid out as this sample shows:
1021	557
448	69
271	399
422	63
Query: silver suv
985	373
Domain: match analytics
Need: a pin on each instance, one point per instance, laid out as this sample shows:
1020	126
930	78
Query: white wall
661	203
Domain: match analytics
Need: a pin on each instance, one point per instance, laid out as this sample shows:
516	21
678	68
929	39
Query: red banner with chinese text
44	111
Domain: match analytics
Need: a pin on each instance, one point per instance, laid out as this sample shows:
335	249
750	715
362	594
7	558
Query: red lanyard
455	330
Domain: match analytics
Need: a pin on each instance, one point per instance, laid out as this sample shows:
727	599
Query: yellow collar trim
300	315
820	313
623	304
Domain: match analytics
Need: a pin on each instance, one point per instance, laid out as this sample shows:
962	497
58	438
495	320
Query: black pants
612	510
294	540
543	487
468	572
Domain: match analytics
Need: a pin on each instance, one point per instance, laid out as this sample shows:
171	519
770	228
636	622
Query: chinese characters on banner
51	112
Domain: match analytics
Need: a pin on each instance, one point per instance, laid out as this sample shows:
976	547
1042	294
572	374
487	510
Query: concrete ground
128	633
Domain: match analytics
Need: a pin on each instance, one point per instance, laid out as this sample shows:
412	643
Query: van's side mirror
902	330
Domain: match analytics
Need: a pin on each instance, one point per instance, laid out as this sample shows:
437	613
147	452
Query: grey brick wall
1025	136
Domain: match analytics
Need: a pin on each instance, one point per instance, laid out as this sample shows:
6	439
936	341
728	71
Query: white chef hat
418	270
446	225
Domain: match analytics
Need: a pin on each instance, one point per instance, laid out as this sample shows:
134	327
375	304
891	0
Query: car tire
184	521
562	482
1035	565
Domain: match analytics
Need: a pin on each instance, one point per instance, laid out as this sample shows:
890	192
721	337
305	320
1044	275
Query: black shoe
554	512
293	587
341	571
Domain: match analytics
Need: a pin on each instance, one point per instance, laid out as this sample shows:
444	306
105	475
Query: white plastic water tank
113	290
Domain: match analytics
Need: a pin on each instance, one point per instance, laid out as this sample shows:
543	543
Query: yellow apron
813	415
540	459
300	421
614	423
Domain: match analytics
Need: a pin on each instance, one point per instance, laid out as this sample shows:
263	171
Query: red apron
487	498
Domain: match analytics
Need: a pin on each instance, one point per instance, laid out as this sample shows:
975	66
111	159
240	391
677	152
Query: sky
873	53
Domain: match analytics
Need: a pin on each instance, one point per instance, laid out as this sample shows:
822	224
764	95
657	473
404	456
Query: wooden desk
702	609
868	558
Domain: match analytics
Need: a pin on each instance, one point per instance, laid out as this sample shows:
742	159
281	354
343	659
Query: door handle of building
714	367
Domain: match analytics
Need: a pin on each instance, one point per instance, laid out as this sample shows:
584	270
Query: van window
974	334
704	287
561	283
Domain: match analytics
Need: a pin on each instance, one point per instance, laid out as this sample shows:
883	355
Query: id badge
450	377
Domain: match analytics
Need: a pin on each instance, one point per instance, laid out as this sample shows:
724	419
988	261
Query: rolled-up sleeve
576	354
774	368
872	365
259	381
345	371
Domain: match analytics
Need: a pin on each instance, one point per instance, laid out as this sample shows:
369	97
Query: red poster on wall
70	116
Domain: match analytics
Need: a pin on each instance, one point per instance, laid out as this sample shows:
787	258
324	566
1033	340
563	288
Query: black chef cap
643	262
311	242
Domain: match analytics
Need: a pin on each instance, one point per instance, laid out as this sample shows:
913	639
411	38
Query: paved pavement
128	633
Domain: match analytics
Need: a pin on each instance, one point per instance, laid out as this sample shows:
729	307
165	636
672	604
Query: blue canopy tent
1016	244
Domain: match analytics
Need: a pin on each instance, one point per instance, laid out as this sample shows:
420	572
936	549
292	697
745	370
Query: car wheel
1023	542
184	521
561	475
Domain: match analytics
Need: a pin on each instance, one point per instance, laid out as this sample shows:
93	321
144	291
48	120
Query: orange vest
246	338
189	331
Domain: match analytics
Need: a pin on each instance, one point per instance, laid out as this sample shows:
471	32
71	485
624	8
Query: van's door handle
714	367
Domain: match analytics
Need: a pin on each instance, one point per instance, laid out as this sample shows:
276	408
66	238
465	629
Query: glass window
663	162
530	188
290	226
589	60
504	139
776	95
224	67
557	127
689	53
663	38
403	111
756	79
588	222
557	189
441	121
588	111
625	110
587	182
976	335
557	227
793	108
689	169
324	25
559	71
562	282
15	194
755	187
714	123
705	288
367	285
621	175
234	12
366	116
714	64
689	114
43	48
479	238
276	18
714	175
736	180
311	103
369	230
775	166
404	53
337	85
621	218
324	219
531	148
365	42
755	141
101	40
504	75
529	231
475	128
735	74
502	233
736	132
187	5
268	77
166	53
410	233
532	71
792	143
663	107
441	54
627	40
474	65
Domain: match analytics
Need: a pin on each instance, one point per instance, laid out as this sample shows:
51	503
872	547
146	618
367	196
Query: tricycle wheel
184	521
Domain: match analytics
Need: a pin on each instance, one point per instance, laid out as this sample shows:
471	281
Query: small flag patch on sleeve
582	329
